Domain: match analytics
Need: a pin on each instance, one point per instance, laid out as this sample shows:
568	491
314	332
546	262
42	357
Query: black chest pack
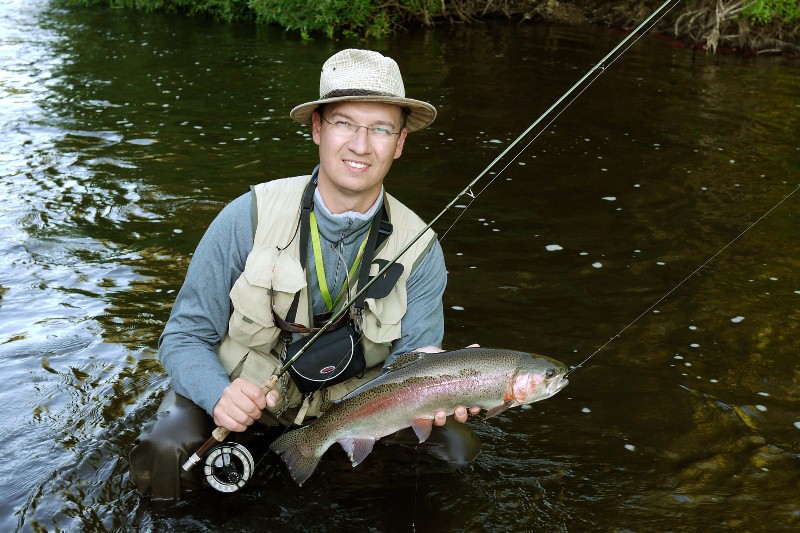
338	354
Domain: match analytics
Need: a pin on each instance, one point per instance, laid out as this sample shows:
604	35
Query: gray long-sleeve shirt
199	319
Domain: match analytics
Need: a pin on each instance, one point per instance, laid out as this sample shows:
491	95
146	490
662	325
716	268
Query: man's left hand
460	415
462	412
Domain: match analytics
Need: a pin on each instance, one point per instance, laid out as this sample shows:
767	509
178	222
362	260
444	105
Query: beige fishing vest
273	274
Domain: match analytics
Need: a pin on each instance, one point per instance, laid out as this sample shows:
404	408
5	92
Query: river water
123	134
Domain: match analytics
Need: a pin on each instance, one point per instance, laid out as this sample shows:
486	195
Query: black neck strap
379	232
306	207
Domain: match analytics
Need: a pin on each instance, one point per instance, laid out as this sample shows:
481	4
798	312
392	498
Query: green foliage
228	10
363	18
765	11
366	18
327	16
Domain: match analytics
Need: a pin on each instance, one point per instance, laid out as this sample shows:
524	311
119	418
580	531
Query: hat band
339	93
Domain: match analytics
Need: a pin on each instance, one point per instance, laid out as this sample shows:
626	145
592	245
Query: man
279	261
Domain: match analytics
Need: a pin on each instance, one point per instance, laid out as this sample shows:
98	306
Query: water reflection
123	135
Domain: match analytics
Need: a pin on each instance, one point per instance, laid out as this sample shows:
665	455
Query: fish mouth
557	383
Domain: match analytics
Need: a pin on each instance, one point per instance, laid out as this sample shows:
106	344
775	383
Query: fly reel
228	466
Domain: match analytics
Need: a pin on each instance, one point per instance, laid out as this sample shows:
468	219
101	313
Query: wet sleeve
423	323
199	319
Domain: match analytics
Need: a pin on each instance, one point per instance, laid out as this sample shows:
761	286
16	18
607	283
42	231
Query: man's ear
316	126
398	151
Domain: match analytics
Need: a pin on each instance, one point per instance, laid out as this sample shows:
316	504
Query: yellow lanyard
323	284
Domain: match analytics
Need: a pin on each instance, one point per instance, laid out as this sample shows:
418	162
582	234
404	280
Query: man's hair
404	113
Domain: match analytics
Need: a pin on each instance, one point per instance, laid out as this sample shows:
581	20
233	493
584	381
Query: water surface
123	134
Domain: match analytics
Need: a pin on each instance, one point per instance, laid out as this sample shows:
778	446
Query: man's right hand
241	403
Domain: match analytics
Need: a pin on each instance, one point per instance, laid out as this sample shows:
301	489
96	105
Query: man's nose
359	142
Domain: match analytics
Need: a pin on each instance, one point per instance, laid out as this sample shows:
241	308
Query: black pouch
335	356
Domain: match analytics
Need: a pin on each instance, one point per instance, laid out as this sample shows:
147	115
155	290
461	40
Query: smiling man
354	159
280	261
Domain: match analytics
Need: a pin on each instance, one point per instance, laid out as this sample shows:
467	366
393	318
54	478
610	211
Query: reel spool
228	466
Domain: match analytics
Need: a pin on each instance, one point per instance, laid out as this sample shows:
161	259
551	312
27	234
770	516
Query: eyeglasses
344	128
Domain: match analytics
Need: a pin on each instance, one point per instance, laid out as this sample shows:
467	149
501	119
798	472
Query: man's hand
241	403
461	413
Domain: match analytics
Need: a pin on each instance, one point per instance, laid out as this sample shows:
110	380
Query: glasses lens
380	133
342	127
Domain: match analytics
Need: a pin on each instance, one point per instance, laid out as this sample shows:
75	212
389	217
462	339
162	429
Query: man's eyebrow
350	119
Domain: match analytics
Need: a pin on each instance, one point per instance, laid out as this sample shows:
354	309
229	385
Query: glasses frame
351	129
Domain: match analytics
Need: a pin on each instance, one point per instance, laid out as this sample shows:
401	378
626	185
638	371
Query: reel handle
220	434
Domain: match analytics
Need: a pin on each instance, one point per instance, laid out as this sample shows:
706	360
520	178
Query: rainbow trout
410	391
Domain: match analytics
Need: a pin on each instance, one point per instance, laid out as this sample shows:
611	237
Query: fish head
538	379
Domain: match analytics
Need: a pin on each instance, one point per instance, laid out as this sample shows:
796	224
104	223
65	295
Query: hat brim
422	113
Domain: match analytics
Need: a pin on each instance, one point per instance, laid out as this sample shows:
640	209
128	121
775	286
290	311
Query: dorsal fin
403	360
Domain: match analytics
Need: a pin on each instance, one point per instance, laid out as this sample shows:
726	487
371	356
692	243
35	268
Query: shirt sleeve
423	323
199	319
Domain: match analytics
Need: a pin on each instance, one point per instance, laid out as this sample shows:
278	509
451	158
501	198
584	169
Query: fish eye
550	374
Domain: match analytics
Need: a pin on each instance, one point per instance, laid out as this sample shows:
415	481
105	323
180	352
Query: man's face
352	166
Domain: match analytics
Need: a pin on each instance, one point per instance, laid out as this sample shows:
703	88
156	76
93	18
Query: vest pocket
259	367
382	317
270	277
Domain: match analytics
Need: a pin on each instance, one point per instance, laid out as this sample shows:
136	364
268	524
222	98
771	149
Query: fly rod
220	433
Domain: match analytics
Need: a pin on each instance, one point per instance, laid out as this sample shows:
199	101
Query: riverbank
735	26
125	134
731	26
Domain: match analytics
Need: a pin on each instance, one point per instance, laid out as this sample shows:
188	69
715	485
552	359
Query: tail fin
300	456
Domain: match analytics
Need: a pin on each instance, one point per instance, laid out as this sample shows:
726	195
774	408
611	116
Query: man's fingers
250	391
460	414
428	349
241	404
223	419
439	418
272	398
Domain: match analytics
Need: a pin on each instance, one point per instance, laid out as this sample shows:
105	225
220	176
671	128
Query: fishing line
599	67
597	70
220	433
673	289
288	428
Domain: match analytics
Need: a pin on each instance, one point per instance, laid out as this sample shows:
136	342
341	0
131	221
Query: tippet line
673	289
220	433
597	69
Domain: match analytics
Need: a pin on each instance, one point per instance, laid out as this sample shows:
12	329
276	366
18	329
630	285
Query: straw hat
365	76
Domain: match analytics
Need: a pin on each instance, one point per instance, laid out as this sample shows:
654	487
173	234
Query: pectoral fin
422	427
499	409
357	448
